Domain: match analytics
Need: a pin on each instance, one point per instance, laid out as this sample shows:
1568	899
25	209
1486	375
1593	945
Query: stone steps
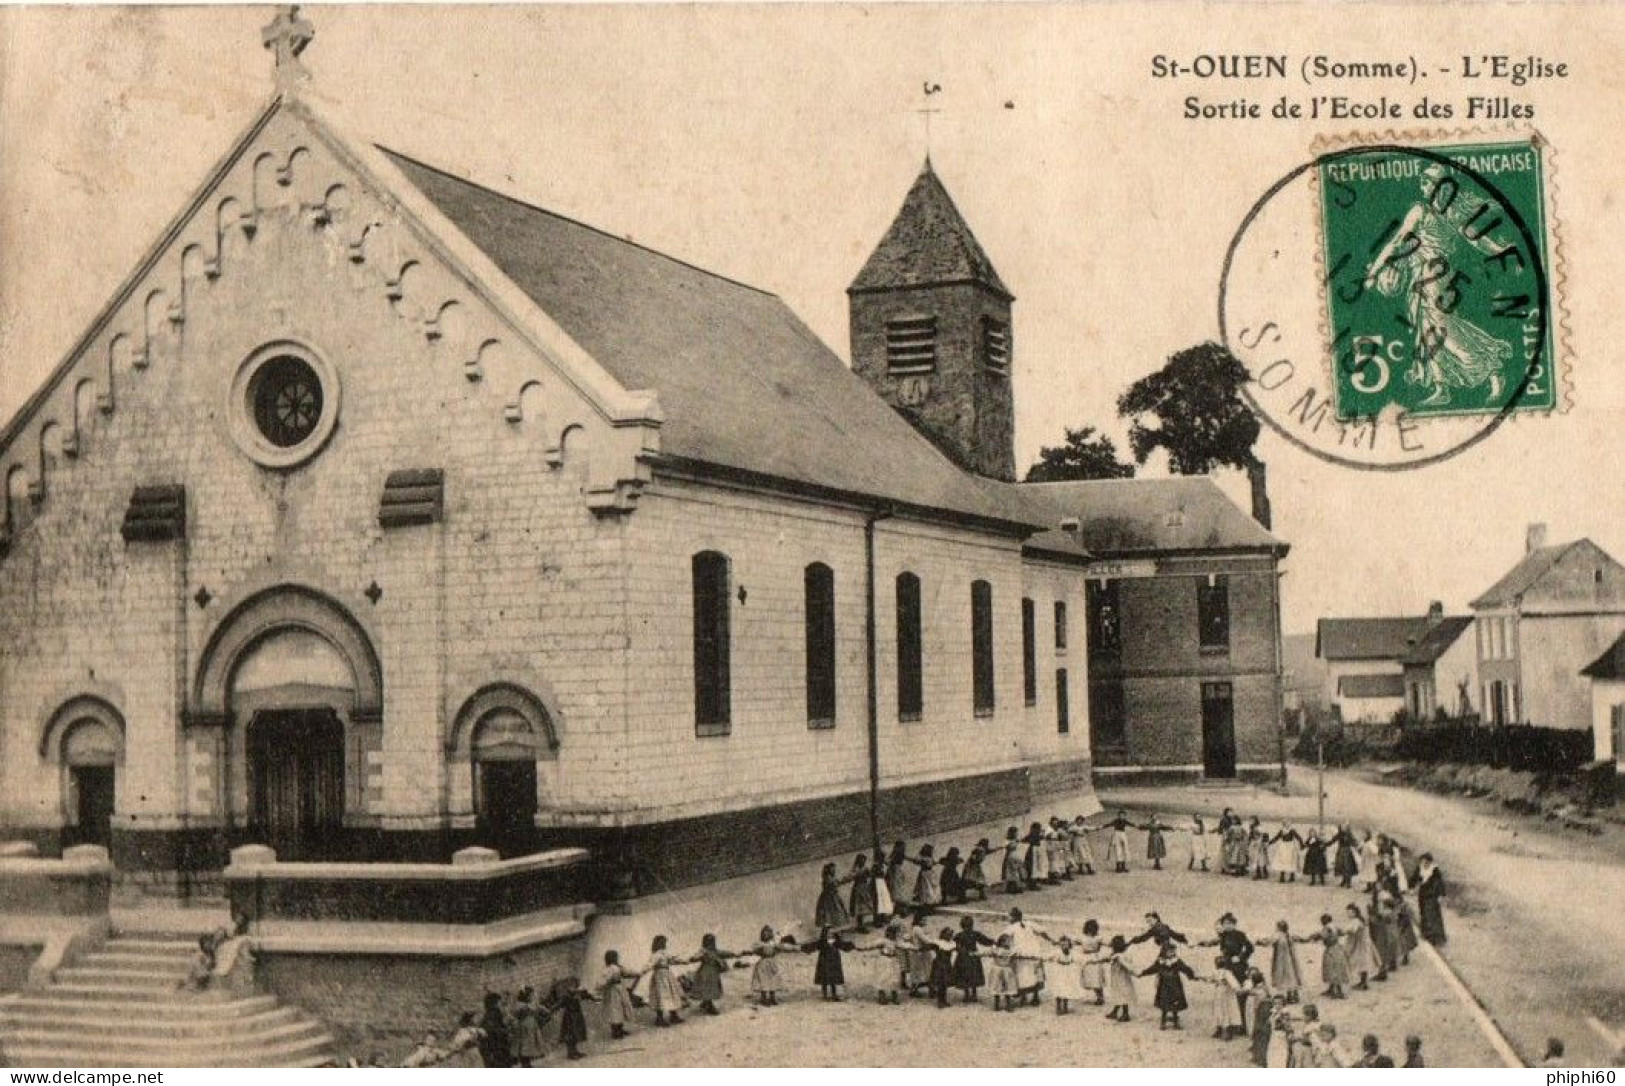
124	1005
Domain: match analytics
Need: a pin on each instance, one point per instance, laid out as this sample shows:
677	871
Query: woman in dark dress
953	887
968	974
942	965
830	912
1344	865
1314	859
862	902
1429	900
496	1048
568	994
828	974
1168	969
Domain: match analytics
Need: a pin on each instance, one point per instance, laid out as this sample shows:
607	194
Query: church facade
380	514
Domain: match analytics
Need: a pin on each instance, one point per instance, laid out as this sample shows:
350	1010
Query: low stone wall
475	888
77	885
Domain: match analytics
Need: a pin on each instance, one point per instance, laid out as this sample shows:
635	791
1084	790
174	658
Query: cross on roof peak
286	36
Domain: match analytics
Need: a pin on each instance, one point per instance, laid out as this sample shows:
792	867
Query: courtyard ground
1534	912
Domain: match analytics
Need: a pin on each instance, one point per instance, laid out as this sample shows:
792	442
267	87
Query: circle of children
896	894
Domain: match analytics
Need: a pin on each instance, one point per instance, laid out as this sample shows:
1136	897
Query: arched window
981	622
818	582
910	684
712	647
85	738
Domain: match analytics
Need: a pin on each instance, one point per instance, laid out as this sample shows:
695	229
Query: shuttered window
911	345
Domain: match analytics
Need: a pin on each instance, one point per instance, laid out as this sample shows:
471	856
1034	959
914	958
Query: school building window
819	586
981	636
1063	705
1213	614
1029	652
712	694
1060	625
910	681
1108	725
1105	620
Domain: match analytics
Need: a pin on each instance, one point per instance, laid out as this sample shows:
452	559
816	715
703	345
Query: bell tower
931	332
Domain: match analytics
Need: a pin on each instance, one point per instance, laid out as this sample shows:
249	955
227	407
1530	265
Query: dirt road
1536	916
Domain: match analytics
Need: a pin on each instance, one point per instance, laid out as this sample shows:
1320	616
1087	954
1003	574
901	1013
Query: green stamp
1436	286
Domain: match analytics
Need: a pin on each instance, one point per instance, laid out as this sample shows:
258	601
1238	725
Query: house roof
1521	577
743	383
1371	686
1610	665
928	243
1367	638
1436	640
1127	517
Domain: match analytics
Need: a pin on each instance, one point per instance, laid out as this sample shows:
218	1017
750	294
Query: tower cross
286	37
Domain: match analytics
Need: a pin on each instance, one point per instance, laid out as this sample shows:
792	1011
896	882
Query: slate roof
1128	517
1610	665
1435	642
928	242
744	384
1371	686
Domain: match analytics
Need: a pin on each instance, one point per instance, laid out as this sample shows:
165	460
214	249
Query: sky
774	144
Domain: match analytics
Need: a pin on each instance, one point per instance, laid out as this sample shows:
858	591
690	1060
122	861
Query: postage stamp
1393	298
1408	235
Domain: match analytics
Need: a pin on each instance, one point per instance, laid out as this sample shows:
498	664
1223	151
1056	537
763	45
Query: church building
380	513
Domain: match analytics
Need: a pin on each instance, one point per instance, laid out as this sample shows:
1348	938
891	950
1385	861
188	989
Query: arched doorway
85	738
507	736
294	683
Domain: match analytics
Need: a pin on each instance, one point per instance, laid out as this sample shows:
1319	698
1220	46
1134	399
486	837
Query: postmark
1392	302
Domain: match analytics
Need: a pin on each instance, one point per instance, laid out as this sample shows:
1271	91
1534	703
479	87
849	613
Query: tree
1086	454
1193	410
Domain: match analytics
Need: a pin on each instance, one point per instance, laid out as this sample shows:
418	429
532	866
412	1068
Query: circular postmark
1415	323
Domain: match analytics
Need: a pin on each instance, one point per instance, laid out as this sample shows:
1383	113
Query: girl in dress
894	949
1012	873
612	992
897	876
1119	980
1201	845
942	965
1225	1012
1117	851
862	901
1057	841
1344	863
1001	980
973	879
1093	973
528	1045
707	983
953	883
567	996
1083	853
1362	955
1169	968
1029	961
766	978
665	998
968	974
1334	960
1156	846
928	883
1385	934
1255	992
1036	859
885	906
1063	975
1406	924
1286	973
1314	859
920	954
830	912
828	973
1369	855
463	1047
1258	849
1286	853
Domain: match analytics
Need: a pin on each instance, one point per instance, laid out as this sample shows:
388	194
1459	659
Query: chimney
1435	613
1534	539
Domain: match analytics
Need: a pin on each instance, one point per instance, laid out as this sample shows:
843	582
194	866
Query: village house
1548	617
1380	667
1607	677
